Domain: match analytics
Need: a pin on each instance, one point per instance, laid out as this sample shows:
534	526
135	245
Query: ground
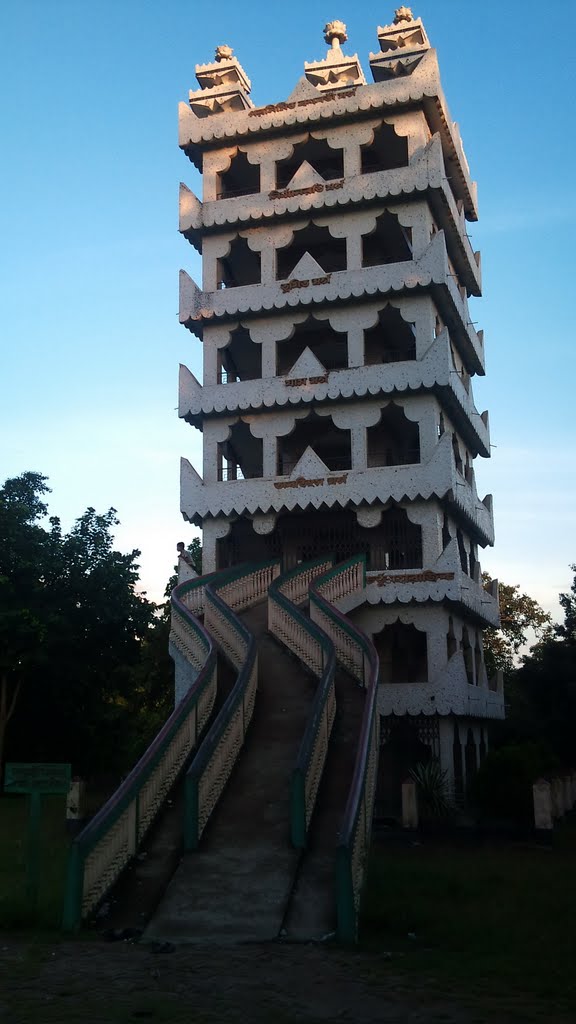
460	930
116	983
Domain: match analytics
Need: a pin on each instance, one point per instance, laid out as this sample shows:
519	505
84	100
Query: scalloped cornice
433	373
422	88
425	174
437	478
431	271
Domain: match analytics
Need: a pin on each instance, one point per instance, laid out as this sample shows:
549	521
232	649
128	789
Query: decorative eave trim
340	489
430	272
433	373
422	88
411	699
424	176
461	593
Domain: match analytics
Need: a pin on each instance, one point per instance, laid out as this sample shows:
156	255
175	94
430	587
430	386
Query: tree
23	553
72	624
567	631
519	614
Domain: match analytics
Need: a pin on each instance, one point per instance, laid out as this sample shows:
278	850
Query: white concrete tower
336	406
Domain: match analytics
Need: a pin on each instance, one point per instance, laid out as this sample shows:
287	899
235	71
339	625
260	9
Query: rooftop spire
223	53
403	14
335	33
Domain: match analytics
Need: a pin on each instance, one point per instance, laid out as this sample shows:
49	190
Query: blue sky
91	253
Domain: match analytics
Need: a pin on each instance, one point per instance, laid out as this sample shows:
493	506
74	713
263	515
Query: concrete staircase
237	886
246	882
267	764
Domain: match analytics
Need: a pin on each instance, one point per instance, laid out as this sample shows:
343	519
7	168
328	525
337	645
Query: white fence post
541	793
409	804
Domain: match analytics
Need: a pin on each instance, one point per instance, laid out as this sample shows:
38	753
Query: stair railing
301	636
228	593
356	652
110	840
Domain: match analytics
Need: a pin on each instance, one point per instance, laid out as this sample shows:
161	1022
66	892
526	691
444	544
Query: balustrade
358	655
228	593
289	625
103	849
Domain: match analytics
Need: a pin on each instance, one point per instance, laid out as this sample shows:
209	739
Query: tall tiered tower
336	407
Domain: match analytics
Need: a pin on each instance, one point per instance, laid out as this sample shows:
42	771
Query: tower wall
336	405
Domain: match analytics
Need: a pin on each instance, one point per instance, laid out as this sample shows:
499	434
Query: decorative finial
403	14
335	33
223	53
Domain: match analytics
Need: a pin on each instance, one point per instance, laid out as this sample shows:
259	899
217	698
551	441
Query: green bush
503	786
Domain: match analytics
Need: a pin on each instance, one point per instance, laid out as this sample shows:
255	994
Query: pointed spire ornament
335	33
403	14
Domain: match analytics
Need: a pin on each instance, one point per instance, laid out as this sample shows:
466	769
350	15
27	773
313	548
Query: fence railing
103	849
228	593
358	655
299	634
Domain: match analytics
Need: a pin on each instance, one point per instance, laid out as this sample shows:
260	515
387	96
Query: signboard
37	778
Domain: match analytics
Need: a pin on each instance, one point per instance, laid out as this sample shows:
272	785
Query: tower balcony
431	272
309	382
444	583
311	483
421	88
447	694
425	175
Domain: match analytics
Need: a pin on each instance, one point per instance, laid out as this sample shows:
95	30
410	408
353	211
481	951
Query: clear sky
90	251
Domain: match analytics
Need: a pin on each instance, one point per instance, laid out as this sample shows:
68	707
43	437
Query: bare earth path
98	983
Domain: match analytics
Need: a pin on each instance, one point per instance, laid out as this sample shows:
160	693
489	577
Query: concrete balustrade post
409	804
542	797
557	798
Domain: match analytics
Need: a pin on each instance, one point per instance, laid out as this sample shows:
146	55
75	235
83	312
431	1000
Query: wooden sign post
35	779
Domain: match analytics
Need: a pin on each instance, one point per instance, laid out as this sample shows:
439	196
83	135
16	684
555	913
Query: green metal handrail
120	819
355	831
220	744
302	802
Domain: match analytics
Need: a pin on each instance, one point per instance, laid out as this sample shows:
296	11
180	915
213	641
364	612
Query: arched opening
403	653
458	766
329	346
394	441
330	443
327	162
308	535
470	757
478	660
451	641
457	455
241	265
386	151
446	537
473	560
243	544
241	359
396	543
240	457
241	179
468	656
389	242
329	252
391	340
462	552
402	750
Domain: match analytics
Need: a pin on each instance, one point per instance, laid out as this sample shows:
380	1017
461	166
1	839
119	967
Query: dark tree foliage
541	695
72	630
519	613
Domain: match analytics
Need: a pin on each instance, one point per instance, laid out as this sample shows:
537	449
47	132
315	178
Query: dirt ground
111	983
